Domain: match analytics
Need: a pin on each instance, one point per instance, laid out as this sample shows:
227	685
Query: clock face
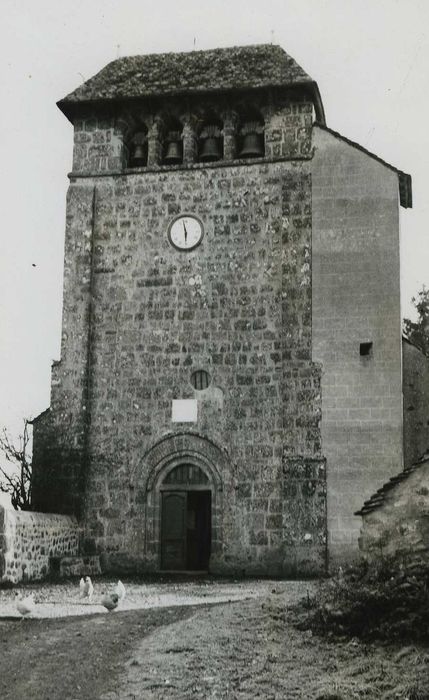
185	232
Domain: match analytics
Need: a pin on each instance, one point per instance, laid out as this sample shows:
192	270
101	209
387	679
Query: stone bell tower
184	427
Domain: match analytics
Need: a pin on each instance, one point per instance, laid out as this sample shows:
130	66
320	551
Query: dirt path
244	649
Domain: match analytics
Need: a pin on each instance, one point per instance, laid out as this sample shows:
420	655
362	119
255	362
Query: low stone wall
29	540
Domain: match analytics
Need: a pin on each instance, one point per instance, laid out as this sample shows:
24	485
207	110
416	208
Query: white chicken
110	601
120	590
86	587
25	605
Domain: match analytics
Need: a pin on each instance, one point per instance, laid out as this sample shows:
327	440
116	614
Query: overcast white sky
369	57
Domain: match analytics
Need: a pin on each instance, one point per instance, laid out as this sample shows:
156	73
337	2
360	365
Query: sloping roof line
405	184
39	416
216	70
414	345
378	498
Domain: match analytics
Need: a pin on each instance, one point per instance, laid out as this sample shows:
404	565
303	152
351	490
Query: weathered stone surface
239	306
65	567
29	540
400	525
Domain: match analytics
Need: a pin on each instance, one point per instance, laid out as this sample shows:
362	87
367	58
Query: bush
386	600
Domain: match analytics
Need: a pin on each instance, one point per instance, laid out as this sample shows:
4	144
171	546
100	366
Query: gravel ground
62	600
196	648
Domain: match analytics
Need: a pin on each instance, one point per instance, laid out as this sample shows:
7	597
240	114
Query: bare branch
17	484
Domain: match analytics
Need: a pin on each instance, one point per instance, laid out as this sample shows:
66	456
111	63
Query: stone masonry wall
356	300
100	141
59	482
29	540
400	526
415	387
237	306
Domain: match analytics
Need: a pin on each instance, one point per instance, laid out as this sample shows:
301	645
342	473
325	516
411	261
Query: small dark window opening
365	349
200	380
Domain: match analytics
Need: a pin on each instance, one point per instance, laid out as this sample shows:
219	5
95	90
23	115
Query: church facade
229	390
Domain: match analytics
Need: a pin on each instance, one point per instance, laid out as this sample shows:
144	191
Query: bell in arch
174	151
139	156
253	145
138	150
210	144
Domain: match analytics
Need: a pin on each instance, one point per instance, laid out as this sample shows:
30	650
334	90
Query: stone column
230	136
154	142
190	144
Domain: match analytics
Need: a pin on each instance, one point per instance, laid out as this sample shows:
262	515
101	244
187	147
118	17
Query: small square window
365	349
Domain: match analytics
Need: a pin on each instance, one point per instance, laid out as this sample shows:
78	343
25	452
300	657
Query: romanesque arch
182	453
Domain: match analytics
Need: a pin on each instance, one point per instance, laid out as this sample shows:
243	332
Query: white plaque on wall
184	411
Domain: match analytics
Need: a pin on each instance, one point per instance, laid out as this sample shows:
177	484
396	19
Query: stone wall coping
28	516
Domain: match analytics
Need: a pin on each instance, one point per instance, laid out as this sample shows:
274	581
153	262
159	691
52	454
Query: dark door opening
185	530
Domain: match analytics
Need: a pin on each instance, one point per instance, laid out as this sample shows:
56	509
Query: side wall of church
356	299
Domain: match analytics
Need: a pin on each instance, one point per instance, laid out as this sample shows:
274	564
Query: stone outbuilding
229	389
396	518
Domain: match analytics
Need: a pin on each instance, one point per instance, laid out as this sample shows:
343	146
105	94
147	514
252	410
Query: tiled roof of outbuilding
378	498
238	67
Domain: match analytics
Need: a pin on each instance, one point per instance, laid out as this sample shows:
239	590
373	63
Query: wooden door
173	530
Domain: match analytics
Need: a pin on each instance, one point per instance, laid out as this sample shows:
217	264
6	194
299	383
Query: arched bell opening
172	152
250	134
210	141
186	519
138	148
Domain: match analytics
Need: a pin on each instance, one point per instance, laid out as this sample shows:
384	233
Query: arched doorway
183	463
186	519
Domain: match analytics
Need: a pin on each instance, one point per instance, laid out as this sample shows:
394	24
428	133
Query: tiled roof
238	67
41	415
405	188
378	498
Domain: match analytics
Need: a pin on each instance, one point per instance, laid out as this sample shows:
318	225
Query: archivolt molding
179	448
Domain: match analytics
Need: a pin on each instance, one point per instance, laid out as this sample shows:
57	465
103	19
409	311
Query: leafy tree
17	481
418	332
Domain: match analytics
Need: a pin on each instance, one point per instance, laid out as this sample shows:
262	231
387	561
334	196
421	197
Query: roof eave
70	108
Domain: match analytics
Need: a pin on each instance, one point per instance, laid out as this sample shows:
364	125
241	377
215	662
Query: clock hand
185	231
